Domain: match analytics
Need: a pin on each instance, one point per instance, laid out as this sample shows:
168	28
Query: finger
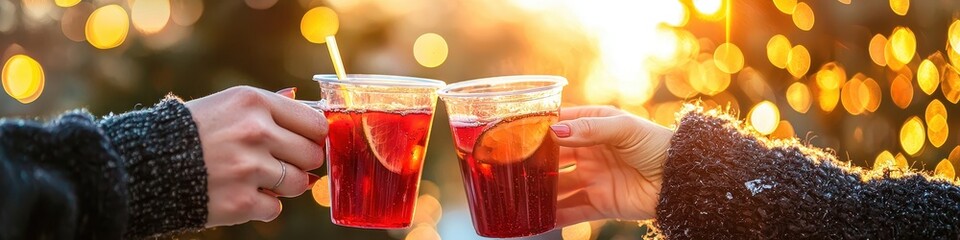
589	111
568	184
296	117
292	181
295	149
265	207
290	92
590	131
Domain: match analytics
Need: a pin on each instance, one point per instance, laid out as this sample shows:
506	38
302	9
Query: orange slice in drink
512	140
396	140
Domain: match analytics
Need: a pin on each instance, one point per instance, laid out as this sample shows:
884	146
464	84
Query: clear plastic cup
508	159
379	129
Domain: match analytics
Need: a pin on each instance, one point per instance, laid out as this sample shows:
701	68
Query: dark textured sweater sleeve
723	181
166	177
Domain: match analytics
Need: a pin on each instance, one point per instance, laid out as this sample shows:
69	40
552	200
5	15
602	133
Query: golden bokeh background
877	81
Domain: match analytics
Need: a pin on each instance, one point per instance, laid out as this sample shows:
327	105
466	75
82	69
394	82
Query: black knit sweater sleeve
128	176
163	159
723	181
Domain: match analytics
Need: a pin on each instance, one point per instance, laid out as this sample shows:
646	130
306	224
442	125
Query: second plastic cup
508	160
379	129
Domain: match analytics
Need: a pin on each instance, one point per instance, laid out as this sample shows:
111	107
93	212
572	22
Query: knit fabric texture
723	180
60	180
163	159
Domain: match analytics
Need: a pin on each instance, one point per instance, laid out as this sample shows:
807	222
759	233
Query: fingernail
290	92
312	179
561	130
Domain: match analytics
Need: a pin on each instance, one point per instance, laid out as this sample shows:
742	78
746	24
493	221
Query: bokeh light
23	78
886	160
728	58
150	16
901	91
912	136
900	7
928	78
66	3
778	49
430	50
936	118
423	232
903	44
876	48
798	96
785	6
185	12
321	191
708	7
850	96
107	27
260	4
950	83
764	117
870	95
579	231
830	79
803	16
945	170
784	131
318	23
798	61
73	21
953	36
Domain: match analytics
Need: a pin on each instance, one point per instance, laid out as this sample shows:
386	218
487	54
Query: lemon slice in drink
512	140
396	140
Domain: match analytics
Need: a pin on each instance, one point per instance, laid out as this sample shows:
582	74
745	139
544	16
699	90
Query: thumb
590	131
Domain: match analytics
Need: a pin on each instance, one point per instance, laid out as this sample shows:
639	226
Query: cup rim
556	82
378	80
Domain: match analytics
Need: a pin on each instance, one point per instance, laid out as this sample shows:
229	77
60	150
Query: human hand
619	164
246	135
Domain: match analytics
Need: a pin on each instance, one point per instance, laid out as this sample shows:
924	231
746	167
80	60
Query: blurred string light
579	231
185	12
23	78
847	2
912	135
784	130
803	16
798	61
66	3
321	191
900	7
423	232
876	48
937	128
107	27
430	50
778	49
764	117
798	96
318	23
260	4
150	16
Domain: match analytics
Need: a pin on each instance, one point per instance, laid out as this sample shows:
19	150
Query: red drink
510	174
375	162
